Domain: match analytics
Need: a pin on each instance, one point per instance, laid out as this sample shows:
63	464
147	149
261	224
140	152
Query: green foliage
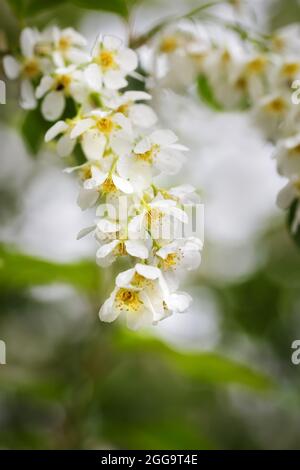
206	93
28	8
18	271
202	367
33	129
290	220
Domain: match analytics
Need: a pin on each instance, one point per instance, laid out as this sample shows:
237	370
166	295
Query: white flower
28	67
185	194
177	257
67	47
111	63
65	145
288	156
55	88
102	131
157	153
143	296
140	115
161	218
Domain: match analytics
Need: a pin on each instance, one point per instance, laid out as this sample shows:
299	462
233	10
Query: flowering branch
124	151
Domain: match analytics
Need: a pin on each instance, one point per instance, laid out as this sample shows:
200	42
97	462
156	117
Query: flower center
86	173
107	60
64	43
256	66
105	125
108	186
140	281
289	70
31	68
148	156
120	249
169	44
276	106
63	82
170	261
128	300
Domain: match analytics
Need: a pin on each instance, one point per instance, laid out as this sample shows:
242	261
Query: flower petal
11	67
122	184
53	105
58	128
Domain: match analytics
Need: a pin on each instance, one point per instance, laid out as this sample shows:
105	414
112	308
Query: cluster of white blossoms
261	75
124	151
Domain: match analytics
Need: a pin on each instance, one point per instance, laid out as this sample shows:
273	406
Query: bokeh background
218	377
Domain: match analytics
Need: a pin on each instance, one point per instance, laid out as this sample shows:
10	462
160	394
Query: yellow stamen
128	300
105	125
107	60
108	186
276	106
64	43
168	44
31	68
170	261
257	65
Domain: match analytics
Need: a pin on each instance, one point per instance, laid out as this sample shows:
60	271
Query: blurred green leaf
18	270
27	8
203	367
290	220
33	130
206	93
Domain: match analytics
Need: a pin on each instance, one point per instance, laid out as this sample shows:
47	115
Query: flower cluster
261	75
124	151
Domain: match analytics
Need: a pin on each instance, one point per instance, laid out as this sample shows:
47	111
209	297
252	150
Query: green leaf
203	367
206	93
290	220
120	7
33	130
18	271
27	8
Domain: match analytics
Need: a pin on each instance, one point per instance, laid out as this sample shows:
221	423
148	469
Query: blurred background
218	377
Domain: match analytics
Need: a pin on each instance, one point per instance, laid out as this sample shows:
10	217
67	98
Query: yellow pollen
148	156
105	125
108	186
120	249
170	261
63	82
289	70
128	300
85	173
31	68
106	60
123	108
140	281
169	44
64	43
276	106
256	66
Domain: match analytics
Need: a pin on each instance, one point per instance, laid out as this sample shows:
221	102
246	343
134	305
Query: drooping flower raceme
262	75
123	151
